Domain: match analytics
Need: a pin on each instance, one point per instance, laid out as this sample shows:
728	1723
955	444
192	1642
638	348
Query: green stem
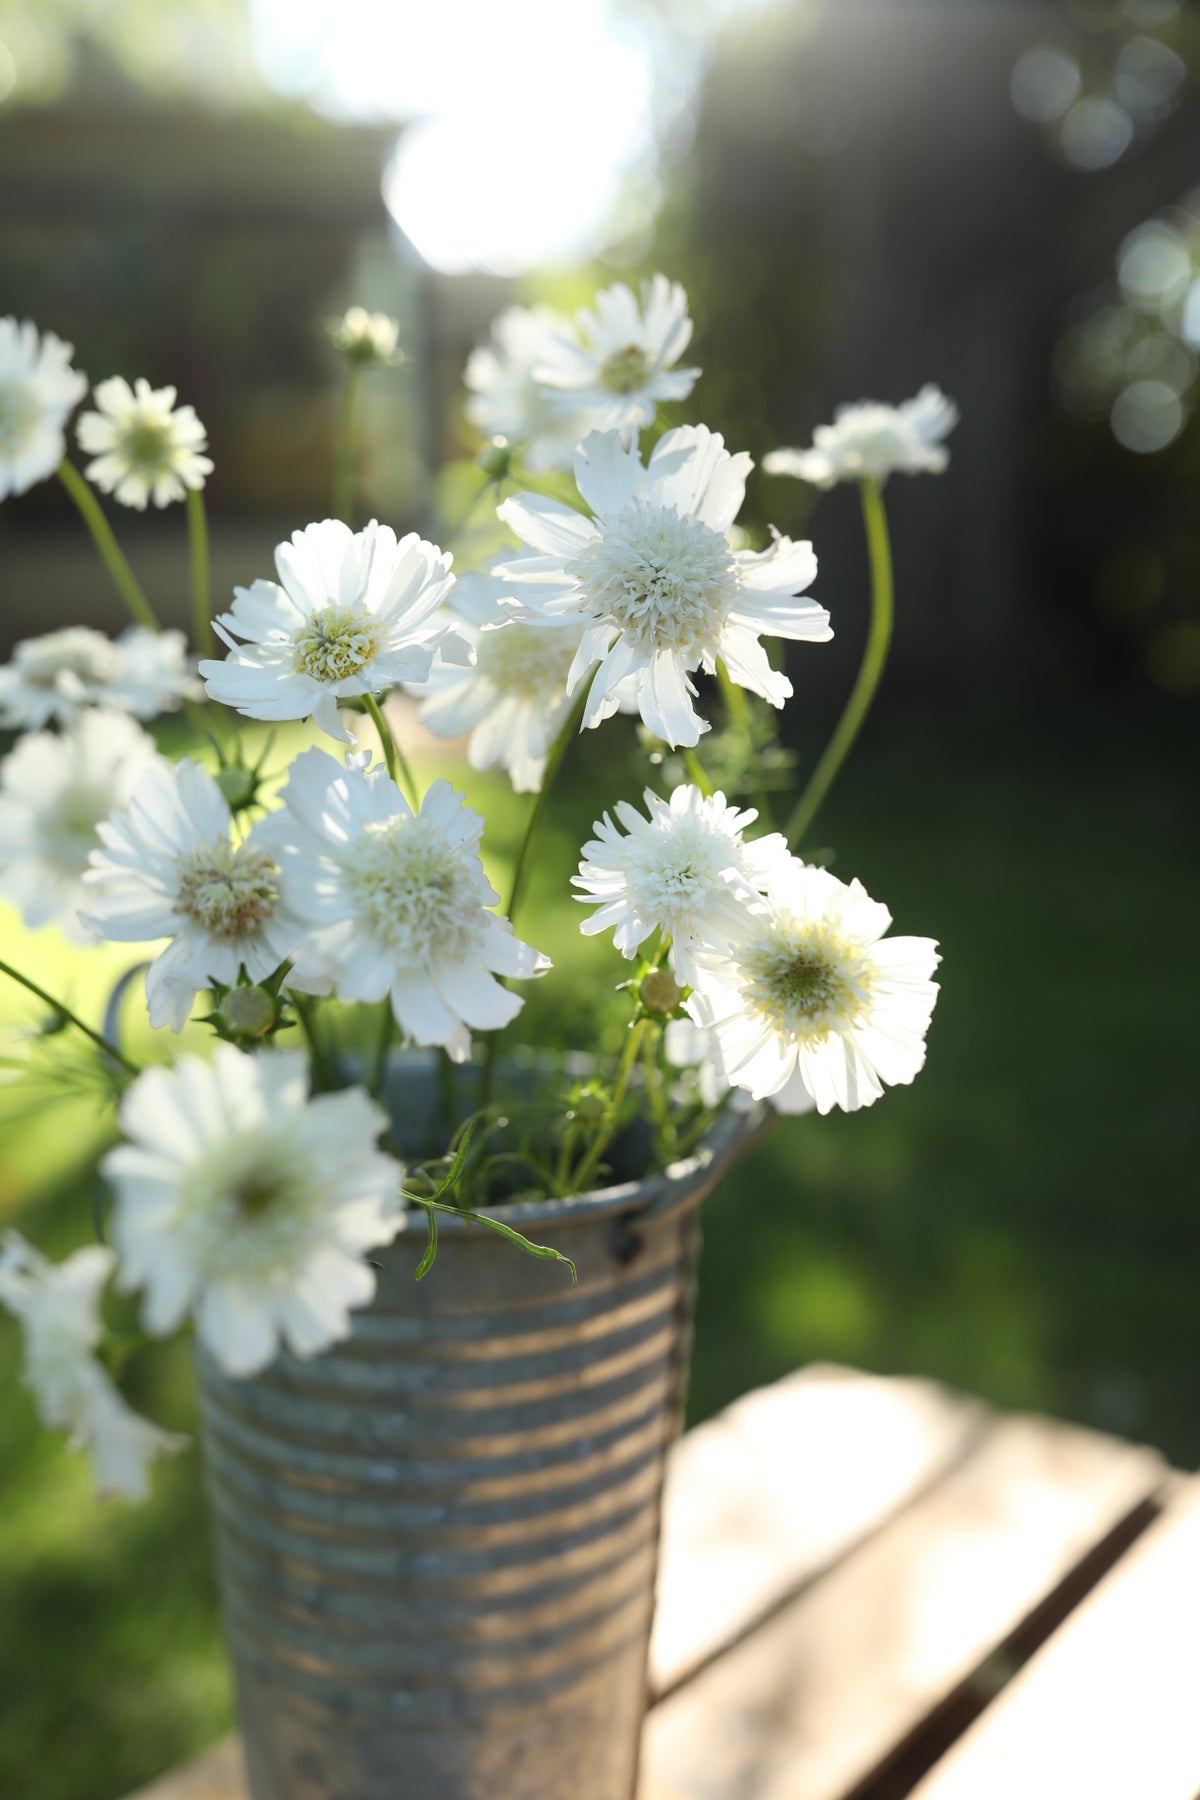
124	579
553	763
739	720
322	1074
562	1173
454	526
599	1144
660	1111
393	756
345	466
64	1012
524	482
557	751
737	707
387	1026
448	1093
695	769
704	1123
879	637
202	631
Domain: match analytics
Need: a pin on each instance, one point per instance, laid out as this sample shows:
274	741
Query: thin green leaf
427	1261
544	1251
453	1175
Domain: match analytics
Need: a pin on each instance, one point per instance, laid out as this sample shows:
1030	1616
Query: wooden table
876	1588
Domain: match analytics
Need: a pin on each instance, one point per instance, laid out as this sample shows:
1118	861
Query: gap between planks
1110	1705
813	1703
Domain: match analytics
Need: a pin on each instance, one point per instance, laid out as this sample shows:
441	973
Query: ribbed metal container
437	1541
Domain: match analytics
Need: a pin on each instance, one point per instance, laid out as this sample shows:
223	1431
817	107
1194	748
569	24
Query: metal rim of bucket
654	1195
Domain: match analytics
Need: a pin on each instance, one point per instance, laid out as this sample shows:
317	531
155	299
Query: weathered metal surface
437	1541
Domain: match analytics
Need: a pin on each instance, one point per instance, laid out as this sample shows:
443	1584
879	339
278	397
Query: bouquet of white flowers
254	1186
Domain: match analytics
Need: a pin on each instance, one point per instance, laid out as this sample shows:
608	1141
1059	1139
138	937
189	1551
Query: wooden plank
779	1487
1110	1706
220	1774
816	1699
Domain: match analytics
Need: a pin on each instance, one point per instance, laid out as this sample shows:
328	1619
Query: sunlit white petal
872	441
655	584
395	902
56	788
38	390
353	613
169	866
246	1203
807	989
58	1307
143	447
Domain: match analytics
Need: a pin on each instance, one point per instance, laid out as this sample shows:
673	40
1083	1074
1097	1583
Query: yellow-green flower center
256	1192
146	446
807	981
337	642
624	371
68	829
663	578
415	891
525	663
227	889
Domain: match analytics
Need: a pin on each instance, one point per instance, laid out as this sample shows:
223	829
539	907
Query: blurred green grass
1020	1222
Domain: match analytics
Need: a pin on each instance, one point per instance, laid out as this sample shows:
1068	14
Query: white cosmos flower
354	615
55	788
38	388
396	903
142	445
809	991
874	441
55	676
684	870
240	1200
506	398
513	699
168	866
617	364
654	580
58	1306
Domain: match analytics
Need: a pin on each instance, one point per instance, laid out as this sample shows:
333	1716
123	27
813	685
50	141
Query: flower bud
364	337
238	784
660	992
249	1012
495	459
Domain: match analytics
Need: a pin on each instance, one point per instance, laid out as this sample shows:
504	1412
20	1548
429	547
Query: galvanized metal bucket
437	1541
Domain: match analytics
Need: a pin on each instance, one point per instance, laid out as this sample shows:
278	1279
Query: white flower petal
243	1200
807	990
871	441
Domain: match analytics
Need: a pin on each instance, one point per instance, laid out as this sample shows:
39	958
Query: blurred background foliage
860	196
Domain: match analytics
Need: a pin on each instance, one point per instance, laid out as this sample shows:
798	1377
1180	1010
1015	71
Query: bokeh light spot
1044	83
1147	77
1147	416
1154	266
1096	133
